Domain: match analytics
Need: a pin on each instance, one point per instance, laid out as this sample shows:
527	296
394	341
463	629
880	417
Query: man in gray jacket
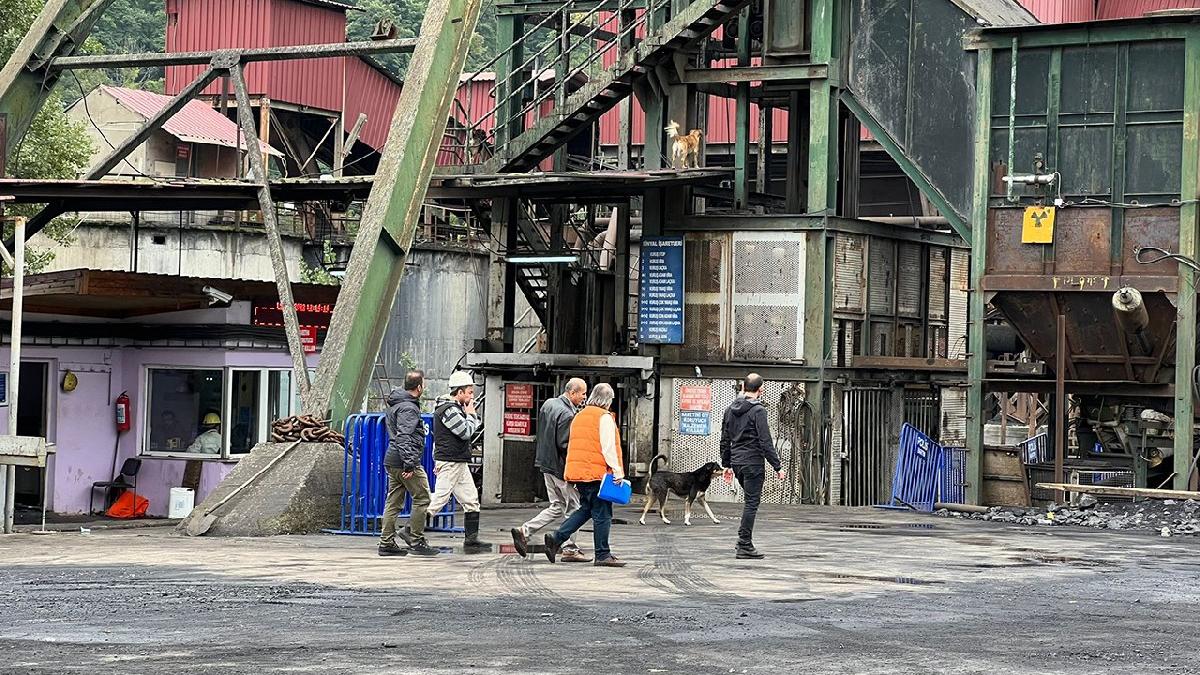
402	461
553	433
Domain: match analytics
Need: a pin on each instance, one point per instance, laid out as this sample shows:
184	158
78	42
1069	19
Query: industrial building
852	225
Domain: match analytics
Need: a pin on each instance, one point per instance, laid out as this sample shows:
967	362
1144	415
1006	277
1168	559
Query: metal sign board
308	339
517	424
1037	227
3	389
660	291
695	423
695	398
518	396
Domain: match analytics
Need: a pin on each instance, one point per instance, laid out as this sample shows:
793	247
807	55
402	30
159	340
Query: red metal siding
313	82
370	91
205	25
1061	11
1122	9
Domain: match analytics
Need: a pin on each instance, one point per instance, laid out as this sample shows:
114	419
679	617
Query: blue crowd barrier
952	479
364	480
918	465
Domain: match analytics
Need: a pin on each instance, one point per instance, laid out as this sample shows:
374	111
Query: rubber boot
471	543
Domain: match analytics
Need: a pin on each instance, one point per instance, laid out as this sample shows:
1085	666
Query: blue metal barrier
952	478
364	480
918	463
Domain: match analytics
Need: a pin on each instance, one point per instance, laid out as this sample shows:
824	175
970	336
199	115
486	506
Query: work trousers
418	486
454	480
592	508
750	477
564	500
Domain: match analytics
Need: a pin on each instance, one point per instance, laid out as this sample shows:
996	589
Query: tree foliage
54	147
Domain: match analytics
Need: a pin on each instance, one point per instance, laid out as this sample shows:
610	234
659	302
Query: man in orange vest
593	451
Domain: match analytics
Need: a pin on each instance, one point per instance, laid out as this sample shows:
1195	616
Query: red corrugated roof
1124	9
196	123
1061	11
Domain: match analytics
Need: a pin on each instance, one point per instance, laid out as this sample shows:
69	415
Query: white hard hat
461	378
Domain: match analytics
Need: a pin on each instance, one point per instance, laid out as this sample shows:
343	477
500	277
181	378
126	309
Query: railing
484	136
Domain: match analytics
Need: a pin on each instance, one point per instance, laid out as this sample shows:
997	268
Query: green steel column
58	30
1189	245
390	216
511	31
741	146
977	353
822	184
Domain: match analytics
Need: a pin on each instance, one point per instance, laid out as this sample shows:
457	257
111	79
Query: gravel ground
1166	518
842	591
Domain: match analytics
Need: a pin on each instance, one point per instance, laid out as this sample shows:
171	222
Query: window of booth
214	413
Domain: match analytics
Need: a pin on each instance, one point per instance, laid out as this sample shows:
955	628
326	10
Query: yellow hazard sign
1038	225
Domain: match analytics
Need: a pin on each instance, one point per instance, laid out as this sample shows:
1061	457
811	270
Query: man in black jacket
553	433
402	461
745	444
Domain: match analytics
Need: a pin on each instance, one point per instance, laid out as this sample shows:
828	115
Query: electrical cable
87	111
1166	255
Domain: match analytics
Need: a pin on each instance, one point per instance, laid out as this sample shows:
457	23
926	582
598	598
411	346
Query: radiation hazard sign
1038	225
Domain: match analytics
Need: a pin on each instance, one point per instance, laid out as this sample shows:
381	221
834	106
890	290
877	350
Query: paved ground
843	591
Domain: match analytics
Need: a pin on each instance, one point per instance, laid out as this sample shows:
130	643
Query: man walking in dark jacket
553	434
745	445
402	461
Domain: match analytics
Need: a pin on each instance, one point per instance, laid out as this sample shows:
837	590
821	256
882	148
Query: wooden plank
1148	493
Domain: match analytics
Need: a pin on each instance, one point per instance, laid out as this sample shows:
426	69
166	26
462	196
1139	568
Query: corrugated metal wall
960	284
203	25
1061	11
314	82
1121	9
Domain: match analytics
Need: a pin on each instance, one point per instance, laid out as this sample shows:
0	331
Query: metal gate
923	410
868	449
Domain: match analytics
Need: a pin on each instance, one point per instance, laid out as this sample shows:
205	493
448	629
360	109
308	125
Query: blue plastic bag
617	492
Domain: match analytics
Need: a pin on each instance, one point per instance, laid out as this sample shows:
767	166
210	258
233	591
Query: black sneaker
551	547
392	550
749	554
407	535
422	547
520	542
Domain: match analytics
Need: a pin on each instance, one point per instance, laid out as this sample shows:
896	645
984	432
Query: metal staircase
548	128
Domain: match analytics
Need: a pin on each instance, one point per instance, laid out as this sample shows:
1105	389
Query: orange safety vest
585	461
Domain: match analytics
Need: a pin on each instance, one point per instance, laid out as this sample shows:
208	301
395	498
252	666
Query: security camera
217	297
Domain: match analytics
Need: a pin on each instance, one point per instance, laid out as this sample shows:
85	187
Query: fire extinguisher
124	414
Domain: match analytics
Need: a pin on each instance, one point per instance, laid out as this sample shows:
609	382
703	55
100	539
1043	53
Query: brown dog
685	150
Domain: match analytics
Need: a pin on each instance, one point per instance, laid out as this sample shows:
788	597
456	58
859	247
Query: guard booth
516	385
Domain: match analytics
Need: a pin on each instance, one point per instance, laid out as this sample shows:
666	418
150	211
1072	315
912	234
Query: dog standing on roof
685	150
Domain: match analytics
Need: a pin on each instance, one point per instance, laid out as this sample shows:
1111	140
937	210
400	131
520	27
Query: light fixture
543	259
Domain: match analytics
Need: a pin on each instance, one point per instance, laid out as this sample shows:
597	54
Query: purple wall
81	424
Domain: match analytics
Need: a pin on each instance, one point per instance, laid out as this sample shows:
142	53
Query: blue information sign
694	422
660	291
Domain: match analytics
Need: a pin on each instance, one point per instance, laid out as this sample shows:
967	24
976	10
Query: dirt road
842	591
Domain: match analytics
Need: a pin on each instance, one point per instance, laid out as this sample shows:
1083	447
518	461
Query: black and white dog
691	486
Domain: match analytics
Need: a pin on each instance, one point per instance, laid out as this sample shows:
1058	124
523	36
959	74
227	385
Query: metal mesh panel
849	282
766	266
765	333
959	285
689	452
909	280
939	270
882	278
768	296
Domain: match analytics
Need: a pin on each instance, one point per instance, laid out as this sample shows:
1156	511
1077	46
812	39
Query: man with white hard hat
454	426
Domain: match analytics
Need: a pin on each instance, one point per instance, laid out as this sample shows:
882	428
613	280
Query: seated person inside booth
169	433
209	440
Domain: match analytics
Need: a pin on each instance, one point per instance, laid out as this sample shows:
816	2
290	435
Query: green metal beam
390	216
741	151
1189	245
914	174
25	82
747	74
1053	36
977	352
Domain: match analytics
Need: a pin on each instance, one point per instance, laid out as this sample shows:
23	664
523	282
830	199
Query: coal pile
1167	517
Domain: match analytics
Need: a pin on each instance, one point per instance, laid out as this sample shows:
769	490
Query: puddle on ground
906	581
789	601
1047	559
877	527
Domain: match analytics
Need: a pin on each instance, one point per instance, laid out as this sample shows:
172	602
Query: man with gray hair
553	433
